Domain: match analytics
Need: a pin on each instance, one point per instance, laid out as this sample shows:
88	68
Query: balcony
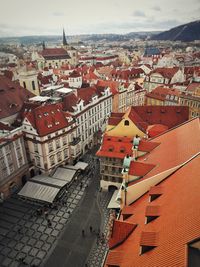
75	141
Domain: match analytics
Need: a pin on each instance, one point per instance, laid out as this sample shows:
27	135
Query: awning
48	180
64	174
39	192
114	204
81	165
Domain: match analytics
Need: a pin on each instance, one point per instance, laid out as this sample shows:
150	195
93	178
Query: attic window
126	122
122	150
57	122
110	149
119	140
145	249
149	111
49	126
39	116
108	139
163	110
46	113
178	111
151	213
148	241
155	192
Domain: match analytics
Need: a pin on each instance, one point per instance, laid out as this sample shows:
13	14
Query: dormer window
126	122
155	192
149	240
151	213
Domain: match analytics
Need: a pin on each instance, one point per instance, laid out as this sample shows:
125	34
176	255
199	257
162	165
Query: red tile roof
113	85
55	53
115	147
140	168
170	116
166	72
160	93
175	148
12	97
120	232
156	129
147	146
69	101
177	225
47	119
152	210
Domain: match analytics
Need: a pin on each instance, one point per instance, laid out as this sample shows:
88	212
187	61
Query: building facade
13	160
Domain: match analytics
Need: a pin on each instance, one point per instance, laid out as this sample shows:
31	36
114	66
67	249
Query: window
37	160
59	156
35	147
33	85
57	143
50	146
52	160
64	140
126	123
24	84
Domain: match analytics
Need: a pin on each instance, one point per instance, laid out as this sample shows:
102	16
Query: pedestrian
49	223
83	233
90	229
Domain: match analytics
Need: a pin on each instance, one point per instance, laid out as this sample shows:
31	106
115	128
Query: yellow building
192	101
121	124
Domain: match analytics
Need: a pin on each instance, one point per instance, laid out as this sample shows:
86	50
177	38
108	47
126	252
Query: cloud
58	14
139	13
156	8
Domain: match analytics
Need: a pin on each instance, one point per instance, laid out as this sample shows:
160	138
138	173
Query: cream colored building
13	160
28	79
50	135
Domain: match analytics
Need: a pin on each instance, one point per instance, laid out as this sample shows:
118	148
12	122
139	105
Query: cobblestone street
99	250
28	237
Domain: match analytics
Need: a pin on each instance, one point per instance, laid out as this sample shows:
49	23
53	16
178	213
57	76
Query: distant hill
186	33
26	40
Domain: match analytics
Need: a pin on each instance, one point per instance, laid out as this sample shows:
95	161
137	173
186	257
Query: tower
64	39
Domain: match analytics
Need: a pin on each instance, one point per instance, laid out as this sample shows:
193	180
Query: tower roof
64	38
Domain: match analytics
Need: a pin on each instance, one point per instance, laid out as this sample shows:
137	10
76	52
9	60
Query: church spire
64	38
43	45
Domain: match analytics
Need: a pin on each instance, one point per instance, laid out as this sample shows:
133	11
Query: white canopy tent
81	165
39	192
65	174
48	180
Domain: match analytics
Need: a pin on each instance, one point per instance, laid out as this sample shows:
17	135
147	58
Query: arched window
126	123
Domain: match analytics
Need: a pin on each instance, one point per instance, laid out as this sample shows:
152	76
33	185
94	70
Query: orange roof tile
176	143
177	225
121	230
115	147
139	168
147	146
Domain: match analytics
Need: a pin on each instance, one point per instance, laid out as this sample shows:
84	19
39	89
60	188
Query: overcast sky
48	17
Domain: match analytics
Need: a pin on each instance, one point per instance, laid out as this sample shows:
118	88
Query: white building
13	160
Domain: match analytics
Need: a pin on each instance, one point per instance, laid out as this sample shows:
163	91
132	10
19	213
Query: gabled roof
147	146
12	97
178	223
55	53
69	101
161	93
166	72
170	116
47	119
